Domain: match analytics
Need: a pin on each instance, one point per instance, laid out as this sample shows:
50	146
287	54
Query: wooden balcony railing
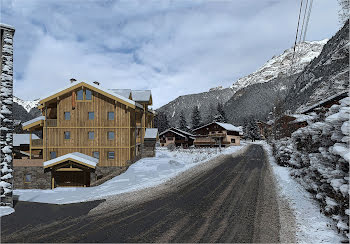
217	134
51	122
37	142
202	140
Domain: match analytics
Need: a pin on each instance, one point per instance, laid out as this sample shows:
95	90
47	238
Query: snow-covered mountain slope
280	65
27	105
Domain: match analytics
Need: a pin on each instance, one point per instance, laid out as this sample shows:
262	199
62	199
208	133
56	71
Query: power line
307	20
296	35
302	26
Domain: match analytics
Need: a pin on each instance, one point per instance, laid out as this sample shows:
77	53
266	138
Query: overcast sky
171	47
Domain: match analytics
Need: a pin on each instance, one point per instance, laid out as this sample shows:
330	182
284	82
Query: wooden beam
30	145
69	169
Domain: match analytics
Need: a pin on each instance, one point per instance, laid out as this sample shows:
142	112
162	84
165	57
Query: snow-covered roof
173	131
226	126
95	86
19	139
2	25
182	131
151	133
76	157
141	95
33	120
122	92
300	118
320	103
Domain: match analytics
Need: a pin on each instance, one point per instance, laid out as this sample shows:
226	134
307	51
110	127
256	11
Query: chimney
96	83
72	80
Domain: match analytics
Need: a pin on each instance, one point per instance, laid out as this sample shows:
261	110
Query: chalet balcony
204	141
217	134
51	122
37	143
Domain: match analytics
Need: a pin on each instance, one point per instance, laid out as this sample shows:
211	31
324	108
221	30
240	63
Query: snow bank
146	172
312	226
4	210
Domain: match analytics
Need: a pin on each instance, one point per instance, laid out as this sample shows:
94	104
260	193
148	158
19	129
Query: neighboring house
177	137
21	146
89	132
217	134
325	104
287	124
264	128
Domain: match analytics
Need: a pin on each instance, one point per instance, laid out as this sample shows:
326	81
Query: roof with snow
151	133
77	157
300	118
226	126
19	139
123	92
178	132
6	26
32	122
107	92
338	96
142	95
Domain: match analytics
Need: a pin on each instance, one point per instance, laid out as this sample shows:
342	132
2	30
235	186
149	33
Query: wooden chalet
325	104
21	146
217	134
93	132
177	137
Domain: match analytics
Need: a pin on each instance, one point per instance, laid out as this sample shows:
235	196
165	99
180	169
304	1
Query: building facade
217	134
89	132
177	137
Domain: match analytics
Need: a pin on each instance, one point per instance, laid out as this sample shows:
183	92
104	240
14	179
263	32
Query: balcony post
30	145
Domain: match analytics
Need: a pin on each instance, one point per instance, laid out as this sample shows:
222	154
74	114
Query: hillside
253	94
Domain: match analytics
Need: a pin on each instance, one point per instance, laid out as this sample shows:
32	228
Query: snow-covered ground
6	210
146	172
312	226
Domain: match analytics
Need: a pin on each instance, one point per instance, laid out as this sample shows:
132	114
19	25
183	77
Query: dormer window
80	95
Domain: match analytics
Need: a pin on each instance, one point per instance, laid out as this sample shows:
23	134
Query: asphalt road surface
233	202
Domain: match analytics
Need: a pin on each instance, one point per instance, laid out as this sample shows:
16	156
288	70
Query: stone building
6	117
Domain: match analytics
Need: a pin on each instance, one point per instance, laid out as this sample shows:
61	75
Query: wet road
232	202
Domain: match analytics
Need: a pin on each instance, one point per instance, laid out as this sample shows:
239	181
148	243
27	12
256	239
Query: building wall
39	178
79	125
237	140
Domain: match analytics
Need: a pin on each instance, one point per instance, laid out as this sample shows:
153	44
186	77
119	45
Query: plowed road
233	202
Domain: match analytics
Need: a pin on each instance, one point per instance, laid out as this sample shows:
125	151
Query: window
110	135
91	115
67	135
27	178
80	94
88	94
96	155
67	115
91	135
110	155
233	140
110	115
52	155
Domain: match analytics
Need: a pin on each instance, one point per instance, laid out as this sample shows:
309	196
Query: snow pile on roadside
312	226
146	172
4	210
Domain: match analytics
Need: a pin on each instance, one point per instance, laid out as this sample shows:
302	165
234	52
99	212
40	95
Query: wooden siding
79	125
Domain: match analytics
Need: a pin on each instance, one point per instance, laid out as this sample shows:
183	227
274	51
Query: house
177	137
217	134
21	146
324	104
89	132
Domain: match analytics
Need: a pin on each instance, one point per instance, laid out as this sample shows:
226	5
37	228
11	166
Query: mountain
27	105
251	95
280	66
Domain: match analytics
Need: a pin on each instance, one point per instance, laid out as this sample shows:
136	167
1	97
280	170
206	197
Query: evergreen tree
182	122
220	115
251	129
161	122
196	118
210	115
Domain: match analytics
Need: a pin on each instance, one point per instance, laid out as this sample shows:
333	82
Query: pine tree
161	122
220	115
210	115
182	122
196	117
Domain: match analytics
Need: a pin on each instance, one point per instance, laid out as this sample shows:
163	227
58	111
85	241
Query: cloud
171	47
